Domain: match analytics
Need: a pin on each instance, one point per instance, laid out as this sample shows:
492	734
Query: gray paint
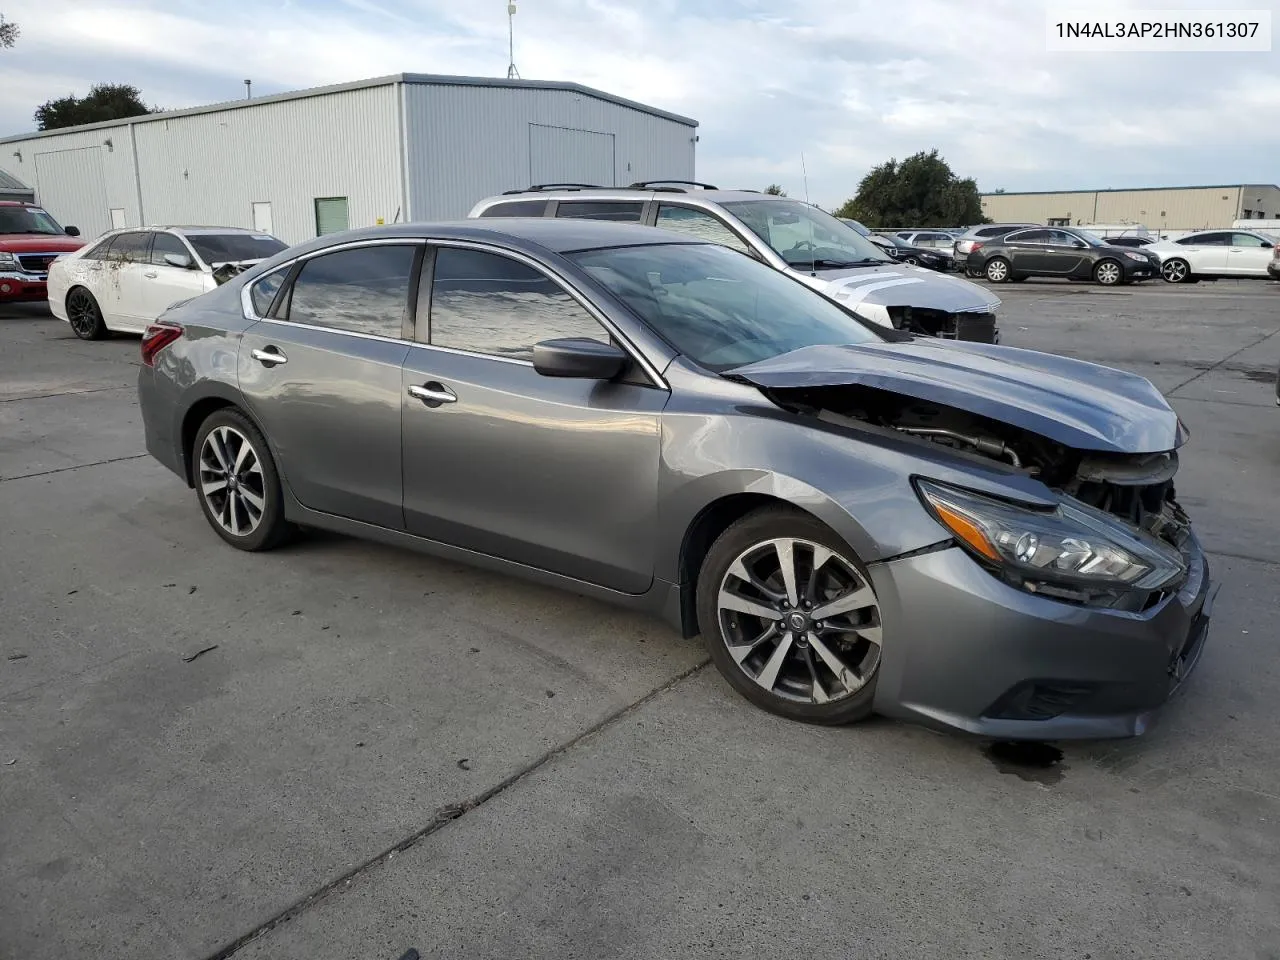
596	486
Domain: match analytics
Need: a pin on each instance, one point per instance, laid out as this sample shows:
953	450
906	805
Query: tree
8	32
921	191
105	101
775	190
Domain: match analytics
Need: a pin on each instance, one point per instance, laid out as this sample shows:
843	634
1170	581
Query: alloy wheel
800	620
231	481
1108	273
1175	271
997	271
83	314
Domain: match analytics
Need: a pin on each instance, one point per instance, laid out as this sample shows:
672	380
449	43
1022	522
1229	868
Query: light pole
512	72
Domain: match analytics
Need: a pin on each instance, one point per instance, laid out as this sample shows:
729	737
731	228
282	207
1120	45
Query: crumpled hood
1082	405
901	285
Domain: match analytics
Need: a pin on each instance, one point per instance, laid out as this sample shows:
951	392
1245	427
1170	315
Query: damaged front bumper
973	653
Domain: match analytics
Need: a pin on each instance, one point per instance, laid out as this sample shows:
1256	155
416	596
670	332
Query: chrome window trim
560	280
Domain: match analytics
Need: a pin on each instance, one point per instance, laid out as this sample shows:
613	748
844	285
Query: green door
331	215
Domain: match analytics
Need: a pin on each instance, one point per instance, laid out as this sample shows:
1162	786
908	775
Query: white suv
791	236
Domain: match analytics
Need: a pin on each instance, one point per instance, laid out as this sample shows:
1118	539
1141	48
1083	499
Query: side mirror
578	357
71	231
1078	244
178	260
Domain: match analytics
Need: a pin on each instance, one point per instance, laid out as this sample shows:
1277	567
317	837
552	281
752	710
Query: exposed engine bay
222	272
1138	488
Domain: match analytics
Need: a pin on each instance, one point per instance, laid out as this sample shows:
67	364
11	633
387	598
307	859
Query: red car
30	239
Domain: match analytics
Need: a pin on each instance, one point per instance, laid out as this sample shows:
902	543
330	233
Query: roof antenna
512	72
805	172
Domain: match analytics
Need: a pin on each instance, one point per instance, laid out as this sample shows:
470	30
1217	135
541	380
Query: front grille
36	262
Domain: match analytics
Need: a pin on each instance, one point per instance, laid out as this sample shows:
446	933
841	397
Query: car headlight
1071	551
8	261
1135	256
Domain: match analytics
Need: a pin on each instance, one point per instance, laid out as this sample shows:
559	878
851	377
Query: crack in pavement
1243	556
78	466
64	393
446	815
1215	366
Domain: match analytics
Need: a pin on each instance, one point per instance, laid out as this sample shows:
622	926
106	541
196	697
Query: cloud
845	83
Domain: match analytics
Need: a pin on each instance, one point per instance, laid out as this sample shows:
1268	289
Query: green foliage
105	101
775	190
8	32
921	191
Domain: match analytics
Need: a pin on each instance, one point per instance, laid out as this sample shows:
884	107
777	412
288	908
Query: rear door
1027	250
163	283
117	284
558	474
1206	252
1248	255
322	376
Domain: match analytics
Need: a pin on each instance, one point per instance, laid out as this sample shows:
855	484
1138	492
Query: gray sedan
853	518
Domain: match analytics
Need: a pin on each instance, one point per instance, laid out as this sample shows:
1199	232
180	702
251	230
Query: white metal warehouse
402	147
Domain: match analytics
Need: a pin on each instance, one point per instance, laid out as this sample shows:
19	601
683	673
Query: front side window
27	220
487	303
361	290
216	248
720	309
517	208
1247	240
263	293
700	224
804	236
601	210
167	243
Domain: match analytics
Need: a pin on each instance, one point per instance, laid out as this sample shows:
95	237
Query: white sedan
1214	253
127	278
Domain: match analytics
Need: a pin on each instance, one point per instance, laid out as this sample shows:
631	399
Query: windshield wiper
821	264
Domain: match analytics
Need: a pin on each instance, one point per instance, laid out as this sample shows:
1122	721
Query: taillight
158	336
976	245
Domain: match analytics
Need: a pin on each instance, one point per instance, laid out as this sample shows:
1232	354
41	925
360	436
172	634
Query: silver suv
791	236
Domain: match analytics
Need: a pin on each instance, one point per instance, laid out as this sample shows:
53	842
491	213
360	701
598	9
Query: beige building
1157	208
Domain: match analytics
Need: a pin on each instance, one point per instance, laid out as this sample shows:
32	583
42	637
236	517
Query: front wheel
1175	271
997	270
790	617
85	315
237	483
1108	273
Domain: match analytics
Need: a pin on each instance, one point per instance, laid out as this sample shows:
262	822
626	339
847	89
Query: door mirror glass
71	231
178	260
578	357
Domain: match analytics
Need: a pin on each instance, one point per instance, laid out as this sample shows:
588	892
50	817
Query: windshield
718	307
804	236
896	241
231	247
27	220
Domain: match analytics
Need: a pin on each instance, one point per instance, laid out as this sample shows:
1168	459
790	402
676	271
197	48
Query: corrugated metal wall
465	143
1178	208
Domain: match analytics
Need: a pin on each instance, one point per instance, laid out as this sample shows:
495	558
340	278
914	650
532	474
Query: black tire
271	529
753	532
85	314
1018	279
1176	270
997	270
1108	273
911	260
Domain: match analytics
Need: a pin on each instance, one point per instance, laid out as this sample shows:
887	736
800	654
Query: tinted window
1207	240
992	231
129	248
1028	236
363	290
600	210
99	251
486	303
234	247
699	224
163	243
264	291
1061	238
517	208
1247	240
718	308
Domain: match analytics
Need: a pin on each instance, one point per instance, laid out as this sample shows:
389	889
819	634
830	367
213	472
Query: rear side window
263	293
1028	236
601	210
1207	240
362	290
486	303
517	208
698	224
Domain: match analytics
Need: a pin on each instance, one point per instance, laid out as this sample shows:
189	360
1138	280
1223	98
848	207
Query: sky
843	84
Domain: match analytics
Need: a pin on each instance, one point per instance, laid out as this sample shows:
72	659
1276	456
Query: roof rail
555	186
647	184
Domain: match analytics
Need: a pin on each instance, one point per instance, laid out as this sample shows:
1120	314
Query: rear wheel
1176	270
1108	273
85	315
997	270
237	483
790	617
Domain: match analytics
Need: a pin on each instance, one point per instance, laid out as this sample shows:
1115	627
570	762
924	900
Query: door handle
151	273
433	394
269	357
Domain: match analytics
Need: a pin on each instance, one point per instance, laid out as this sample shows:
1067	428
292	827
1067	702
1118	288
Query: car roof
17	203
715	195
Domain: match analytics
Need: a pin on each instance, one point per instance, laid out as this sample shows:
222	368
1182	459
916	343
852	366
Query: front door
323	380
557	474
163	284
1248	255
1064	254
